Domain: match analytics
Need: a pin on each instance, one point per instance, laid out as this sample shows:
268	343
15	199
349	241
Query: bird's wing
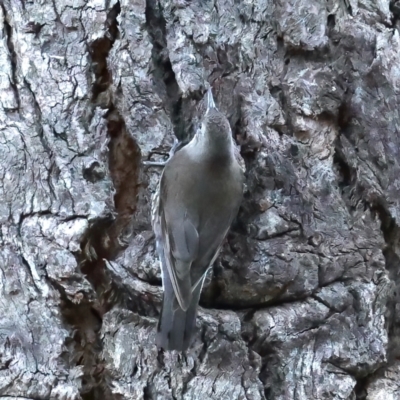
180	243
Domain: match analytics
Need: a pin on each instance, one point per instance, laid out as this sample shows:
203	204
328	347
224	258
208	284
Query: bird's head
214	123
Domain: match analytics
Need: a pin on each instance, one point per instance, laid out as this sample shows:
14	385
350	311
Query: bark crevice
13	57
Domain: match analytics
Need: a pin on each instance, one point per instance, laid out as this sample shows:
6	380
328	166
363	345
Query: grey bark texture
303	302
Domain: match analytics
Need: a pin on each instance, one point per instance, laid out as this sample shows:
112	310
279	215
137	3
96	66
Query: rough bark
303	301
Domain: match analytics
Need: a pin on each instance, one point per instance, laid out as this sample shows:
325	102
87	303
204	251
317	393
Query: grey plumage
198	197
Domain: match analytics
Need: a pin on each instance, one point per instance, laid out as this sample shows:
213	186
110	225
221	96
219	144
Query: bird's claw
174	148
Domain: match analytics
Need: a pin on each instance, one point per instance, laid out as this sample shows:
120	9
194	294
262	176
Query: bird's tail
175	326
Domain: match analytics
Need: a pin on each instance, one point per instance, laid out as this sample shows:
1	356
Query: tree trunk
303	301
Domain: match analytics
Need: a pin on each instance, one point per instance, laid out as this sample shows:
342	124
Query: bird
198	196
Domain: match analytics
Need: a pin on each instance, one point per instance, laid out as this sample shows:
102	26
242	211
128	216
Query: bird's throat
216	149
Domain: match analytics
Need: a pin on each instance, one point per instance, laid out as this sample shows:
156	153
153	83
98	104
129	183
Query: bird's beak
210	99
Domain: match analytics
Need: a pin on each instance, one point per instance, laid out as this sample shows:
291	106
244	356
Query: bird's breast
202	185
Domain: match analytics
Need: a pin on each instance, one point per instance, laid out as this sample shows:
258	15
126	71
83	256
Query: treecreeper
198	196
